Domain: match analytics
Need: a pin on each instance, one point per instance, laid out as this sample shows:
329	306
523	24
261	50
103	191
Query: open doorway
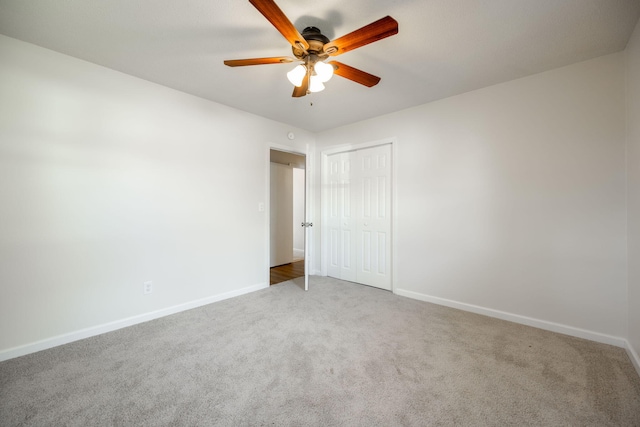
287	204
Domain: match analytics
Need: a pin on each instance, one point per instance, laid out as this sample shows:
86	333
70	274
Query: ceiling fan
313	49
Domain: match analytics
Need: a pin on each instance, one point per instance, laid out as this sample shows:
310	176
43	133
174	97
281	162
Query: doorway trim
308	202
324	172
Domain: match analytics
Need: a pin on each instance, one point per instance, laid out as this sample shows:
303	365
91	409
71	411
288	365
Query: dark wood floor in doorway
285	272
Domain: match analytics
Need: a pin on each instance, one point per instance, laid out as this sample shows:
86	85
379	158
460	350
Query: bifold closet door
341	221
360	216
373	172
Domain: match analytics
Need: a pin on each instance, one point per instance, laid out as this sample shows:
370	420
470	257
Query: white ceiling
443	48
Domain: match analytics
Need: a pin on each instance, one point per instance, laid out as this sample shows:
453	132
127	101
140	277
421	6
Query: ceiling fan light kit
313	49
319	73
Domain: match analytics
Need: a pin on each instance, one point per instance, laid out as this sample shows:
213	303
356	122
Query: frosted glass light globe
315	84
323	70
296	75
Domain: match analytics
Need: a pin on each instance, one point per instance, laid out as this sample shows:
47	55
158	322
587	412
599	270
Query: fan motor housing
316	41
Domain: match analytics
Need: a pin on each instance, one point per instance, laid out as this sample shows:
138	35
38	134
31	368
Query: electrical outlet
148	287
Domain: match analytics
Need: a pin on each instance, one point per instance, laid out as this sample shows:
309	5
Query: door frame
308	249
324	159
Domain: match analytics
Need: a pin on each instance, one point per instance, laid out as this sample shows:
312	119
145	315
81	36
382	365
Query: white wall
633	189
512	198
107	181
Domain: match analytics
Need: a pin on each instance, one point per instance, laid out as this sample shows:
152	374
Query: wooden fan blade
278	19
375	31
302	90
258	61
354	74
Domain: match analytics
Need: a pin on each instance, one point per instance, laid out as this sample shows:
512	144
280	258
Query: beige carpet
340	354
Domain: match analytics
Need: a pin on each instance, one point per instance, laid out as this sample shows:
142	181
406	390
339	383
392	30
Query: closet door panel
374	222
341	221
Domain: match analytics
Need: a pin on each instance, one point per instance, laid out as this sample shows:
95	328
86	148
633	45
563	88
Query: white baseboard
524	320
119	324
298	253
633	355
